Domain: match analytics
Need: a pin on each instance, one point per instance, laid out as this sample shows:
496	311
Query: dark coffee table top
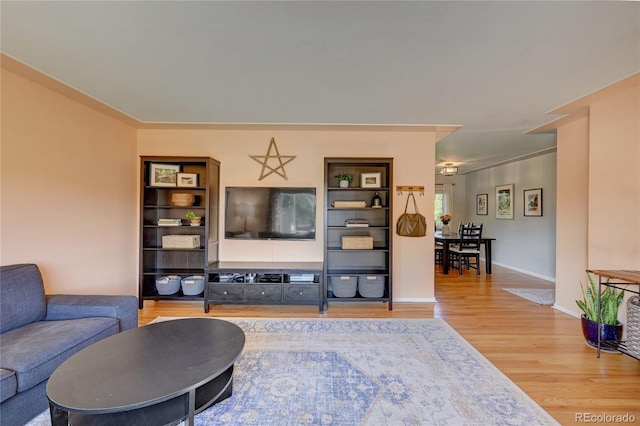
146	365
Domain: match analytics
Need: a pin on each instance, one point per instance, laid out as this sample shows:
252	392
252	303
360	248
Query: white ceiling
493	67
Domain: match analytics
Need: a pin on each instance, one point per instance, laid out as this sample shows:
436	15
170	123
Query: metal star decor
264	160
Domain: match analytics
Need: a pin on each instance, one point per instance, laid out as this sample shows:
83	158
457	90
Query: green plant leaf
610	301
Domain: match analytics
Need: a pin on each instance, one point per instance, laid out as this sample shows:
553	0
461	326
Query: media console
272	283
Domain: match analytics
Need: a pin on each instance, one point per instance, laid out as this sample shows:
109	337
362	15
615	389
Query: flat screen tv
264	213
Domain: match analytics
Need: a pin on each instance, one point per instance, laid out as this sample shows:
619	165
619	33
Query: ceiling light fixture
449	170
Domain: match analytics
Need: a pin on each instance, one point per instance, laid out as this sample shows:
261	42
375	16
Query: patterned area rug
364	372
541	296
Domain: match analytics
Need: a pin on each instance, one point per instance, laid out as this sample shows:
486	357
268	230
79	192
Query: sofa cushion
36	350
65	306
8	384
22	299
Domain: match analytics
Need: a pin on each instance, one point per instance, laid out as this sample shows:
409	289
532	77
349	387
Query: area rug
364	372
541	296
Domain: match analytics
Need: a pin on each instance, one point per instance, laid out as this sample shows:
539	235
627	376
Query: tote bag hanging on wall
411	224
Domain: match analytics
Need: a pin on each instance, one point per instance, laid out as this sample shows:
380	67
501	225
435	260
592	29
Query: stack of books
356	223
169	222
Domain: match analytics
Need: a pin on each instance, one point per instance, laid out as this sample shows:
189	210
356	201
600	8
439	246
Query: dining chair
468	249
438	253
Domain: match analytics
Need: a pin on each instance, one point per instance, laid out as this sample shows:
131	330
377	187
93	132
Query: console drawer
301	293
226	292
264	293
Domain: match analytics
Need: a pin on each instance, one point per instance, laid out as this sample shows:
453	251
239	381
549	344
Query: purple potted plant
610	327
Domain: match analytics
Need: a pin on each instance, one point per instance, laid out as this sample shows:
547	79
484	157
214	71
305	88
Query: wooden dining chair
438	253
469	248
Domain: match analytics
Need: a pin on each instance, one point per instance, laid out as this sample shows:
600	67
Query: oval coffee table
158	374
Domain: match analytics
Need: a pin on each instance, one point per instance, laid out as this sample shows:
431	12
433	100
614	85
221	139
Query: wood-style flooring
537	347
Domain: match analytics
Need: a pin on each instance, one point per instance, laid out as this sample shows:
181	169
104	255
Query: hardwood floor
537	347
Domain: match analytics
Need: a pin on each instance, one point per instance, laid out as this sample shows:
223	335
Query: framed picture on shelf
189	180
481	204
163	174
533	202
504	201
370	180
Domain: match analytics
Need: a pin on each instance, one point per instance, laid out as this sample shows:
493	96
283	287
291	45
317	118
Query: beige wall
411	150
69	184
598	224
69	187
572	215
614	182
68	191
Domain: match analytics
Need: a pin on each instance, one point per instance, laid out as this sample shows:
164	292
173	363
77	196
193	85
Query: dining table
454	237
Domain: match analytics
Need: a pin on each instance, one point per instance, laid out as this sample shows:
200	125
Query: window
443	202
438	206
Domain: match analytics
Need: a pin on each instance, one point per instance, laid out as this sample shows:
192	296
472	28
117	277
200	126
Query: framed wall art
163	174
370	180
504	201
481	204
533	202
189	180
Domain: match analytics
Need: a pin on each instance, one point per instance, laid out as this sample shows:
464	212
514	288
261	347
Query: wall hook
410	189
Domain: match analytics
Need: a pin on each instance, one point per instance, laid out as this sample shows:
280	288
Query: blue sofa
39	332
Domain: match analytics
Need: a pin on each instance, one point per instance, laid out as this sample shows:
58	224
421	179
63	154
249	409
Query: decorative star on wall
280	161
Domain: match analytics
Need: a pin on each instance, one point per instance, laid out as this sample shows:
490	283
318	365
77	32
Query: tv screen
263	213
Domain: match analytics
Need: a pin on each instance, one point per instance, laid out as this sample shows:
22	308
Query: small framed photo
533	202
504	201
481	204
370	180
187	180
164	174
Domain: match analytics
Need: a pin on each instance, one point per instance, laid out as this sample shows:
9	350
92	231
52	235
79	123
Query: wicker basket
357	242
349	204
181	241
633	326
182	200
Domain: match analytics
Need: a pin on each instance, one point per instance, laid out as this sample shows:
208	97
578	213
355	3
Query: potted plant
445	218
611	328
345	179
194	218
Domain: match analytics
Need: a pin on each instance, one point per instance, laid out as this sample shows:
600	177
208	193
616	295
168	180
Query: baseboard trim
565	311
523	271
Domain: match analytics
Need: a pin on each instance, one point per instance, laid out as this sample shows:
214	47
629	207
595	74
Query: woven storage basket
633	326
357	242
349	204
182	200
181	241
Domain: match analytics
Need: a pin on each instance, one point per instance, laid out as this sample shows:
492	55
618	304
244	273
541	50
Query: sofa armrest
124	308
